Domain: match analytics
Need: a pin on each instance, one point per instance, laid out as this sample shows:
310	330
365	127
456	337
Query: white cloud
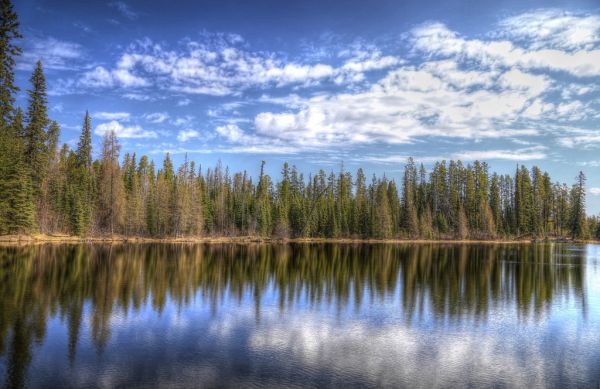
122	131
157	117
185	135
435	39
553	28
231	132
594	191
526	154
123	116
222	68
436	99
138	97
182	121
99	77
585	139
54	54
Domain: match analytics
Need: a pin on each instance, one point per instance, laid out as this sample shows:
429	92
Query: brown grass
61	238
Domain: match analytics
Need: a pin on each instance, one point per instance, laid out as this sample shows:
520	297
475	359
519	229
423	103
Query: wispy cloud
124	10
55	54
521	155
123	116
156	117
122	131
552	28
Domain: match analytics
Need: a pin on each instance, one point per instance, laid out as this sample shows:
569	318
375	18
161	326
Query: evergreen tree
409	207
263	202
9	51
36	149
16	198
578	219
495	202
111	184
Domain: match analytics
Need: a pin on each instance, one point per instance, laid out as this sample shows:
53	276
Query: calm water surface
300	315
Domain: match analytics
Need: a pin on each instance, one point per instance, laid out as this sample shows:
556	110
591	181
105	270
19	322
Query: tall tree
578	220
9	32
111	185
36	149
85	175
16	198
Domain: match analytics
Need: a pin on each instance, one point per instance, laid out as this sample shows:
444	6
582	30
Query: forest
52	189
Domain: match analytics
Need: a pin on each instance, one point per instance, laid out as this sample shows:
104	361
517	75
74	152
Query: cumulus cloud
231	132
437	40
185	135
528	77
436	99
133	132
221	67
101	77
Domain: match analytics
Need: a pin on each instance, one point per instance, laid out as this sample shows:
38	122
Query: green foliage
9	51
36	151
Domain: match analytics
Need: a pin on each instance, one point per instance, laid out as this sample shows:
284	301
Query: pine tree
263	202
36	149
16	199
360	214
578	220
495	202
409	207
9	51
111	184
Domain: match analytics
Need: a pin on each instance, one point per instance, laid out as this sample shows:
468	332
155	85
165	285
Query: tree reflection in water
451	282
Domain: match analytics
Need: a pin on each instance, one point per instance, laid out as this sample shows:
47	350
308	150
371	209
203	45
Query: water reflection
366	286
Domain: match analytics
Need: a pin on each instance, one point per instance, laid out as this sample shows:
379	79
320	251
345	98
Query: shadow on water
451	283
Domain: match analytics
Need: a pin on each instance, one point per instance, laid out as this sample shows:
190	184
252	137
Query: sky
327	84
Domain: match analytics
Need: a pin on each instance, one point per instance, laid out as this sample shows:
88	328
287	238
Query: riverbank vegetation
51	189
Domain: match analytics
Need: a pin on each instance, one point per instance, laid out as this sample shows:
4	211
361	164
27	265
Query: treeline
44	188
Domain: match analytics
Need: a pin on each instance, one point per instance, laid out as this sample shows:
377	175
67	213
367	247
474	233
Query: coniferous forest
48	188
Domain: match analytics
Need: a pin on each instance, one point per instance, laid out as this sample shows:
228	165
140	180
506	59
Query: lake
422	315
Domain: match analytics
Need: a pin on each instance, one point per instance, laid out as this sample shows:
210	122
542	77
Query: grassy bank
11	240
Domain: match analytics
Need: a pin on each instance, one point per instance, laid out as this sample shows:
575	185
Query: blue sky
318	83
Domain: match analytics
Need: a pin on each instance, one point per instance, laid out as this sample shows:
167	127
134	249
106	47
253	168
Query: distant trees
44	188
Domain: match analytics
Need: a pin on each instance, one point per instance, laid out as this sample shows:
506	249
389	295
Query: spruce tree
409	208
36	149
578	220
9	32
16	200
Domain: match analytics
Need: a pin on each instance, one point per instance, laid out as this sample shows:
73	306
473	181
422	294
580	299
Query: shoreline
17	240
